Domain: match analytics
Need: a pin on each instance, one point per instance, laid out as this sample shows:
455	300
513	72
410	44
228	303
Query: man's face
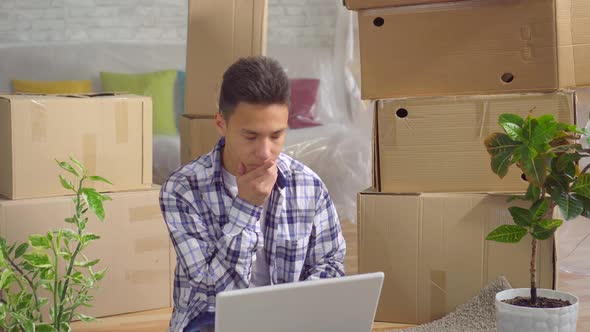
253	134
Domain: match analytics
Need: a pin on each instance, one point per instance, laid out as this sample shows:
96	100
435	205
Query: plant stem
56	304
78	247
533	272
30	282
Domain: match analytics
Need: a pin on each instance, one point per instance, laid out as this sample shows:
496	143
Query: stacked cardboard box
441	72
112	136
219	33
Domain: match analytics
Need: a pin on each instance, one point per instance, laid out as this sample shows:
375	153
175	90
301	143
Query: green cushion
158	85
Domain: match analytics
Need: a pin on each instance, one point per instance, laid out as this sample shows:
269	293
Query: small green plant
53	262
547	153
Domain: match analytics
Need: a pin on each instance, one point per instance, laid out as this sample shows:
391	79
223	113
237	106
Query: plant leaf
99	178
500	147
43	327
89	237
20	250
85	318
550	223
510	118
6	279
539	209
66	166
79	164
38	259
541	233
65	183
507	234
513	131
39	241
87	263
520	216
100	274
532	193
534	168
569	205
582	185
94	201
25	323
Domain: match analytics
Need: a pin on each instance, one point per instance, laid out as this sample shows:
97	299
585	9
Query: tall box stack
441	72
112	136
219	33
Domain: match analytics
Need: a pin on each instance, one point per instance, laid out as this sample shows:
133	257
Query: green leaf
100	274
99	178
550	223
510	118
70	220
520	216
79	164
541	233
39	241
87	263
65	327
94	201
535	169
507	234
532	193
65	183
42	327
545	130
582	185
66	166
85	318
500	147
38	259
20	250
89	237
569	205
513	131
6	279
539	209
25	323
566	160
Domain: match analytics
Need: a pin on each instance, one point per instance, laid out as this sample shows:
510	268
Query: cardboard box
197	137
370	4
456	48
433	251
111	135
134	245
219	32
573	40
437	144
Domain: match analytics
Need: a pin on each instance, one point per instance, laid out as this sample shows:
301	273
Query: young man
246	215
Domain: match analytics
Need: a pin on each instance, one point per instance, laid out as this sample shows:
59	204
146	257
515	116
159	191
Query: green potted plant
53	262
547	153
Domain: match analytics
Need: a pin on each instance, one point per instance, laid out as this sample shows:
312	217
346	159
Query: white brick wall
307	23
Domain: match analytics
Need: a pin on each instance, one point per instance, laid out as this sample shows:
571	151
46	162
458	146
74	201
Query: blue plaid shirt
215	236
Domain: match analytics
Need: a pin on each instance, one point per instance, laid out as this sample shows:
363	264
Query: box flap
369	4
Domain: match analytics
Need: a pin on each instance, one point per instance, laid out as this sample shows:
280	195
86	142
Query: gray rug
477	315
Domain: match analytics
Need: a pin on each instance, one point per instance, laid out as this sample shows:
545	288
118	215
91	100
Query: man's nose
263	149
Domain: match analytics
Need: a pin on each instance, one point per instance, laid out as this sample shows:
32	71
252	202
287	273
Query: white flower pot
511	318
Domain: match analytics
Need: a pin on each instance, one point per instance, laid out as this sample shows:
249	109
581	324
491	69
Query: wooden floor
157	320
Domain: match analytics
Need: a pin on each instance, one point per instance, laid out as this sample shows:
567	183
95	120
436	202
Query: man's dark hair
253	80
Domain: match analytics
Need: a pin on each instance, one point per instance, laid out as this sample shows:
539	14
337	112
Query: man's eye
250	138
275	137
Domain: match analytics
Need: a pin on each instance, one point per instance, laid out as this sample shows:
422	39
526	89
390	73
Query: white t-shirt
260	271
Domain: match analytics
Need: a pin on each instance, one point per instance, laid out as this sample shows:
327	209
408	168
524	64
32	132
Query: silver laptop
345	304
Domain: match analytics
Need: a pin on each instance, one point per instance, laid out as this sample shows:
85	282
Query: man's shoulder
190	177
297	170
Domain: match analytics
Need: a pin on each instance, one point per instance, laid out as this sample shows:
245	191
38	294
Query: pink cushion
304	93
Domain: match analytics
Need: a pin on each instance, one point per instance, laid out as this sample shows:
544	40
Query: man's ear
220	123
